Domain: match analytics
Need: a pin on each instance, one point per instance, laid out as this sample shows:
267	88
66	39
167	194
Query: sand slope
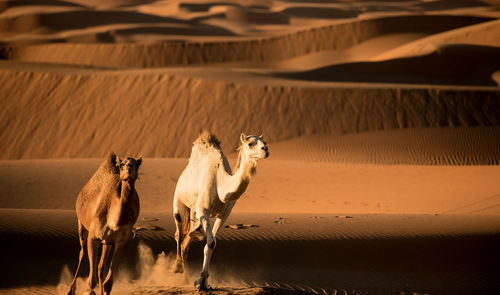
411	146
160	115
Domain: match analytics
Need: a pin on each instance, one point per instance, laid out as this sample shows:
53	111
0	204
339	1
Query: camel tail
186	224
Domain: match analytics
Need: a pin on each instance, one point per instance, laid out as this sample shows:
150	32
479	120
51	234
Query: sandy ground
445	254
279	187
382	119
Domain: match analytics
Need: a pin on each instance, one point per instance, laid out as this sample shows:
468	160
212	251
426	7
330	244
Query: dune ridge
485	34
272	48
450	64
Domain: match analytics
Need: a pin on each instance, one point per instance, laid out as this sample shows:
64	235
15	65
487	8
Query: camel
107	208
208	188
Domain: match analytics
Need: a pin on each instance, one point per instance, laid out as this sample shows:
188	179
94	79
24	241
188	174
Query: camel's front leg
115	260
92	249
219	221
82	235
105	255
202	282
178	266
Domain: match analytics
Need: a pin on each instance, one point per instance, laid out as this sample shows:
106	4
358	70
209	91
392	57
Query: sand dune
321	77
41	112
295	43
447	65
485	34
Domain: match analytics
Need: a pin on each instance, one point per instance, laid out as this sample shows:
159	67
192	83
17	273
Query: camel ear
118	161
139	162
243	138
261	137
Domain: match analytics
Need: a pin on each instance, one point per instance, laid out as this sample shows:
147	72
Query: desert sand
382	120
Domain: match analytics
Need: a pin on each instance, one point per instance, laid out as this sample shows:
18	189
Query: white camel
208	188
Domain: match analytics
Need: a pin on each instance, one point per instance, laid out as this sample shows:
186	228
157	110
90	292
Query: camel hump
111	159
109	164
207	139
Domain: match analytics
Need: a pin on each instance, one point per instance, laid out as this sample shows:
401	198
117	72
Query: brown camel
107	208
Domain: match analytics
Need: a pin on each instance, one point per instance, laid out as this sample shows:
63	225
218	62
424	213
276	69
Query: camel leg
180	213
92	249
106	254
115	260
219	221
186	241
202	282
82	235
208	250
185	247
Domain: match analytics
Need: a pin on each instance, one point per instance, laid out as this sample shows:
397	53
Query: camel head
254	147
129	168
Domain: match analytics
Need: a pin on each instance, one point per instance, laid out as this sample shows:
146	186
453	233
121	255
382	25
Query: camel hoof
91	292
202	284
178	268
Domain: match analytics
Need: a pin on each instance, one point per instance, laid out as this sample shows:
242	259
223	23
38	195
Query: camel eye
251	144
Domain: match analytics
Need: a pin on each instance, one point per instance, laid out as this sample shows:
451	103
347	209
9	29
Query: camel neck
233	186
127	187
246	168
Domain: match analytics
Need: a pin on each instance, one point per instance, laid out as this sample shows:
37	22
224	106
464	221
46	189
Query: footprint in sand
141	227
149	219
343	216
281	220
240	226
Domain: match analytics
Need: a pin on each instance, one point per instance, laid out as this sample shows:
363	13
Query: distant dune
105	52
447	65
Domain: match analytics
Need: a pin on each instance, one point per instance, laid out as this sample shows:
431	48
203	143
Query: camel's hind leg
181	217
189	231
82	235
